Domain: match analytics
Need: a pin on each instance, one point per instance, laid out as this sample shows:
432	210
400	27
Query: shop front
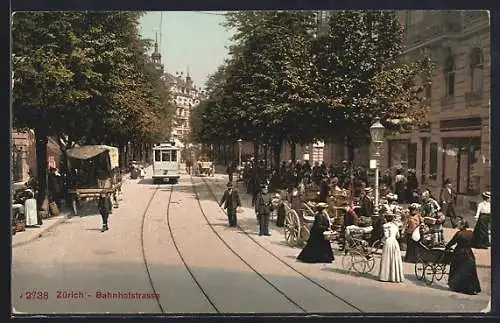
462	164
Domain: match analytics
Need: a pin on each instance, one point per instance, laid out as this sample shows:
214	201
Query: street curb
39	235
64	218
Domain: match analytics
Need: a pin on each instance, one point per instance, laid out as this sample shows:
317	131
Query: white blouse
483	207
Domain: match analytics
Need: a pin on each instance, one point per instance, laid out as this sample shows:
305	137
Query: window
165	155
157	156
449	76
476	70
433	159
174	155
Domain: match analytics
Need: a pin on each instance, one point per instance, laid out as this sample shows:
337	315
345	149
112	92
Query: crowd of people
402	188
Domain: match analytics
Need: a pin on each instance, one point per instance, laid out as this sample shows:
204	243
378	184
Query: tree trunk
64	166
277	155
293	151
41	162
266	150
350	159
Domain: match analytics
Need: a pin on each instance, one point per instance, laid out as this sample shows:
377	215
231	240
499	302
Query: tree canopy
87	75
285	82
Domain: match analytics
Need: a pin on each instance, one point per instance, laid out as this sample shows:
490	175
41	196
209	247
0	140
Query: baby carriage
432	231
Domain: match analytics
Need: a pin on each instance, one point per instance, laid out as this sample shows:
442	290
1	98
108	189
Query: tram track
328	291
143	250
252	268
188	268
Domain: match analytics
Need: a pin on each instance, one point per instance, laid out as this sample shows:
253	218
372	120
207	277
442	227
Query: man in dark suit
231	201
447	197
263	208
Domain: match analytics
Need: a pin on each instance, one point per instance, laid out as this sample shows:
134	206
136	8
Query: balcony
434	26
473	99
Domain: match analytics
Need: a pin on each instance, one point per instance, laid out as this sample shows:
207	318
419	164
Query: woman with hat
391	264
318	249
412	232
481	237
463	273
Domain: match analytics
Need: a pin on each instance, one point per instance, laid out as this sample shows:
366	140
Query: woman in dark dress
317	249
463	273
481	236
412	223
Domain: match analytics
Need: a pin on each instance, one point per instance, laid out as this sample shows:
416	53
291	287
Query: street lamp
377	134
240	143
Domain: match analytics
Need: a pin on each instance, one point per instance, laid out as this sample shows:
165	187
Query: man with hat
447	197
231	201
318	249
104	206
263	208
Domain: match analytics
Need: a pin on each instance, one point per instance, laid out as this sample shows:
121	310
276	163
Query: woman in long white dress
391	263
30	210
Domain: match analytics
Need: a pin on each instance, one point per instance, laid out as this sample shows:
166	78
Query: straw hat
229	184
487	194
322	205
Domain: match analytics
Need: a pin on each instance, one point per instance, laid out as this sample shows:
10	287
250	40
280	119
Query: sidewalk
33	233
483	256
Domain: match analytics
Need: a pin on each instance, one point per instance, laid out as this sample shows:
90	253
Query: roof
88	152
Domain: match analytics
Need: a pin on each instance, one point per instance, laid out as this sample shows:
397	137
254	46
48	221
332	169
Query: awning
88	152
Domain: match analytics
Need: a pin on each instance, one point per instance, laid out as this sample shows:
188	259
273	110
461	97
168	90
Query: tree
85	76
360	77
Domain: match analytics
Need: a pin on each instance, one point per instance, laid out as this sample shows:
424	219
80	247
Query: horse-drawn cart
94	170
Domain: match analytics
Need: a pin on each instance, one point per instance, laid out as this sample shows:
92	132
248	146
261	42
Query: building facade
185	97
456	146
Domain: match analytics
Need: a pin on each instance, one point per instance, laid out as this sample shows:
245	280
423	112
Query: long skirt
480	237
411	249
30	212
463	273
317	250
391	264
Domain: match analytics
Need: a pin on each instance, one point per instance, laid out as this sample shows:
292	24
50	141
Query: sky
189	38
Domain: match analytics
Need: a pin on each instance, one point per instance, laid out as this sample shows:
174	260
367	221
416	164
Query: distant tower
189	81
156	56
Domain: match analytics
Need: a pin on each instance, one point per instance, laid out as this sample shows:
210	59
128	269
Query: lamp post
240	143
377	134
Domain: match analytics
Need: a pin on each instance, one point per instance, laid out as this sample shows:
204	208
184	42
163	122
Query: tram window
174	156
165	156
157	156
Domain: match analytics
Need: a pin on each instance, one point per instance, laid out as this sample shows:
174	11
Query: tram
166	162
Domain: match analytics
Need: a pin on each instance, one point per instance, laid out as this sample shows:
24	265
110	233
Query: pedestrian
104	206
54	186
463	277
231	201
324	190
412	232
263	208
318	249
391	264
400	185
447	197
230	171
481	236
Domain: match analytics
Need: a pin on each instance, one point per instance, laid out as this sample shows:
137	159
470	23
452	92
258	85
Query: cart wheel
370	263
440	269
376	246
347	262
291	228
359	262
429	274
419	269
